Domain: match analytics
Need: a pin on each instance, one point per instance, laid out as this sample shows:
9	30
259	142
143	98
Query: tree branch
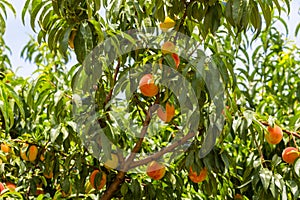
295	134
109	95
163	151
108	194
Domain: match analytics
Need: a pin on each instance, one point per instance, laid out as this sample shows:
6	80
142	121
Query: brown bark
110	191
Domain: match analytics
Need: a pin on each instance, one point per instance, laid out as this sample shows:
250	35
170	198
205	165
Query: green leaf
33	15
83	42
237	9
136	189
228	12
265	177
9	5
297	30
64	40
124	189
212	19
65	132
59	94
297	167
287	2
150	191
106	145
65	186
273	189
54	133
245	16
293	186
97	5
98	29
255	18
160	13
17	99
249	116
266	12
279	181
209	141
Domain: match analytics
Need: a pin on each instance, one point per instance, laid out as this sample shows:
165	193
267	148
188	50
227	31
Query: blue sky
17	35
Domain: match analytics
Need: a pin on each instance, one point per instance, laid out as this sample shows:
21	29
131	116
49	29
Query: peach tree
166	101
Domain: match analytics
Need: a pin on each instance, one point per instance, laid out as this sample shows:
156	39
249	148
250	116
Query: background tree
45	156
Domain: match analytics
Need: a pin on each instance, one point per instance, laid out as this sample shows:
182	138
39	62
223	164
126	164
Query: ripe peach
1	187
167	24
168	115
11	186
95	180
290	154
156	170
29	154
5	148
198	178
274	135
176	59
147	86
168	47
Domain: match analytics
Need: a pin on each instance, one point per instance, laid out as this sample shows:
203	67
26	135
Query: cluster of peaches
147	86
156	170
30	152
274	136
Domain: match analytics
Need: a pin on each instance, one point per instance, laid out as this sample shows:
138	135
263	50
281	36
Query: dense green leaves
75	130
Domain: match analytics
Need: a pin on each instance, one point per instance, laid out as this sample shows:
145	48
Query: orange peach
168	114
5	148
274	135
29	154
147	86
1	187
290	154
95	180
156	170
10	186
197	178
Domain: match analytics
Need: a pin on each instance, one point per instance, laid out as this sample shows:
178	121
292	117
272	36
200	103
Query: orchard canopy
168	99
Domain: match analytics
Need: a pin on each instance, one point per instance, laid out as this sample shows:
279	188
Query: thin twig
295	134
109	95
